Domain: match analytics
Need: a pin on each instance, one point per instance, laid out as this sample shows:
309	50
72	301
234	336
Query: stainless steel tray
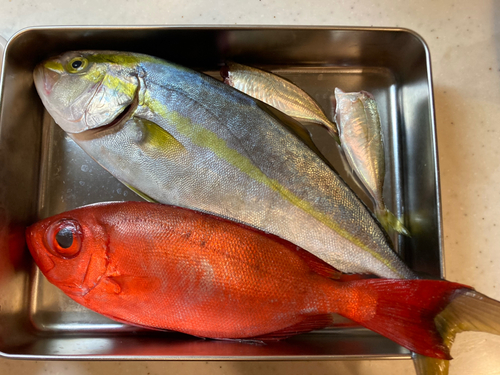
43	173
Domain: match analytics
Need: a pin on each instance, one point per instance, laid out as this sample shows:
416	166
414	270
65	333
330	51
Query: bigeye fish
180	137
362	144
278	93
166	267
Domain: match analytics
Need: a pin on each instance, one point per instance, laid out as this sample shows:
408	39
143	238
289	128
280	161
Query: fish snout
46	77
37	249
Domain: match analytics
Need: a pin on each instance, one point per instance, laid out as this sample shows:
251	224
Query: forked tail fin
424	316
468	311
404	311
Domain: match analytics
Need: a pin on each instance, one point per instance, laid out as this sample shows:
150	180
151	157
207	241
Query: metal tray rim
248	27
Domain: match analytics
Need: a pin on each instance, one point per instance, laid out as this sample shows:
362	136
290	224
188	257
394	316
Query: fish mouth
46	78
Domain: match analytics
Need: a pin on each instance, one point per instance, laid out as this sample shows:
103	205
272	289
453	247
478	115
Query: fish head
345	104
85	90
71	250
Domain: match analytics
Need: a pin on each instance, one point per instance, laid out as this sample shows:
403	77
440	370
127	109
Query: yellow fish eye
77	64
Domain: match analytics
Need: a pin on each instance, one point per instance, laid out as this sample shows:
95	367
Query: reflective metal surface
3	42
42	172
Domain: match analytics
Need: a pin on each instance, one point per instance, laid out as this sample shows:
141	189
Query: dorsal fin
318	265
324	269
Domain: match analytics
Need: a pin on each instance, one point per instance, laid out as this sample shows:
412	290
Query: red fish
166	267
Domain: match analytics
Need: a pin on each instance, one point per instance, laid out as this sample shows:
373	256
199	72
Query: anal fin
146	197
309	323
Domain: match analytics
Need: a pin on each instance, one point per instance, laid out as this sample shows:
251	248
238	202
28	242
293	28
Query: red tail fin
405	311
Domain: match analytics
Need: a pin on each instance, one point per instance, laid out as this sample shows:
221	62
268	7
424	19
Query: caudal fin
430	366
405	311
389	221
424	316
467	311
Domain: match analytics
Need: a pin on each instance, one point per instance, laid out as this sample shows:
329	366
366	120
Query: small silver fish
363	146
278	93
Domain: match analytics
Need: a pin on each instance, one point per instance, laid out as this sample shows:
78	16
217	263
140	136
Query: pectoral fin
156	142
128	284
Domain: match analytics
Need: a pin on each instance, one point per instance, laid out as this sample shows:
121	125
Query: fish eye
77	64
64	238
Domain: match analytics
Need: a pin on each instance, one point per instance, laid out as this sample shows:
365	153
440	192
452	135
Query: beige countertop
464	40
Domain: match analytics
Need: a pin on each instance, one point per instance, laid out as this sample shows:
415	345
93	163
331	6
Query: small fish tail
334	133
417	314
390	221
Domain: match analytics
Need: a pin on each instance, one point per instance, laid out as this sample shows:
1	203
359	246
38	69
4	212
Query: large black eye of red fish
64	238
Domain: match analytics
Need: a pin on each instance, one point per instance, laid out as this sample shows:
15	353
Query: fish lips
45	78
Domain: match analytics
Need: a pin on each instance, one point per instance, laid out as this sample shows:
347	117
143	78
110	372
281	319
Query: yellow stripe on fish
203	137
207	139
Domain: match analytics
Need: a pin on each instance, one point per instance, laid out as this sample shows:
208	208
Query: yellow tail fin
468	311
430	366
389	221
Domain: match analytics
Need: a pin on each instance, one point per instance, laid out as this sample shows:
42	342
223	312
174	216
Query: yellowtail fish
278	93
363	146
180	137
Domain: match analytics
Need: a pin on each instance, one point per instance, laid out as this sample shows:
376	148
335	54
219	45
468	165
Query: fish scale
226	155
186	276
170	268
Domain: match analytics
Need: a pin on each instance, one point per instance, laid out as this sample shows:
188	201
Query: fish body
278	93
166	267
180	137
363	146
